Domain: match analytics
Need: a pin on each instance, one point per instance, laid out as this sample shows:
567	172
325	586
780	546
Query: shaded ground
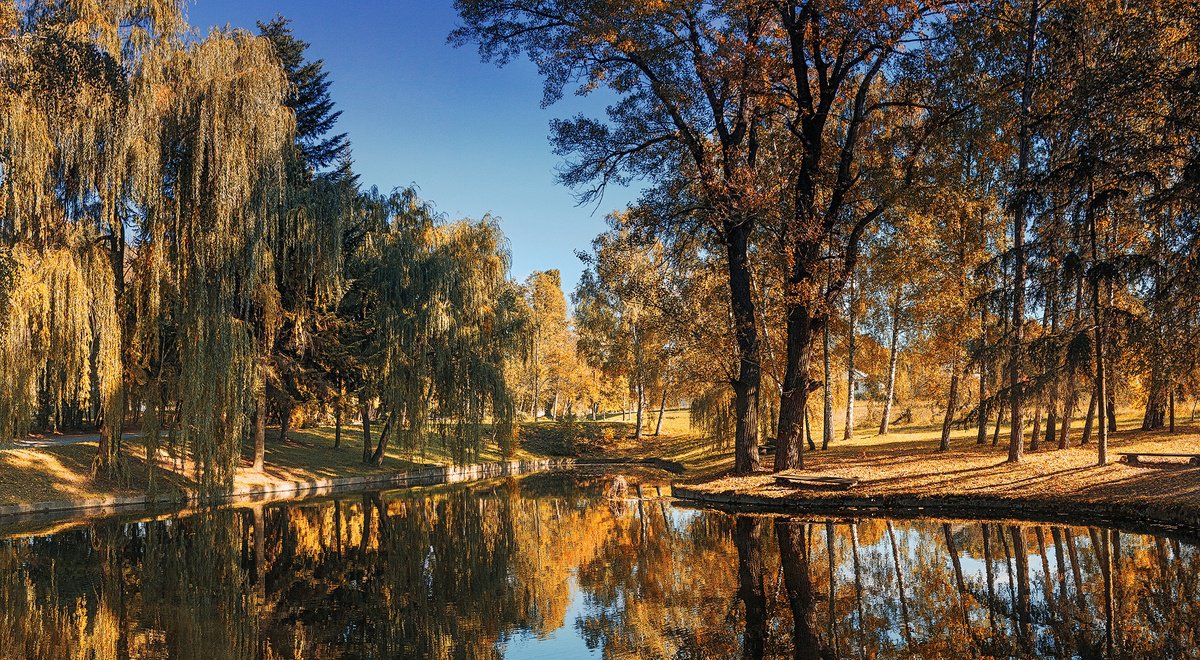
59	468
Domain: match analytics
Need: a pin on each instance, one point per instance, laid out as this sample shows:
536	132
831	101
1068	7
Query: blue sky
471	136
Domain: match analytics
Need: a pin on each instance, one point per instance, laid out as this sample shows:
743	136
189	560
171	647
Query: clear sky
471	136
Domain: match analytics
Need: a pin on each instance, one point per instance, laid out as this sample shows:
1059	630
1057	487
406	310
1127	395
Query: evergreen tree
309	99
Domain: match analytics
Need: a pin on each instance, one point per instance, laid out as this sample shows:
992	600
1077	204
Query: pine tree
309	99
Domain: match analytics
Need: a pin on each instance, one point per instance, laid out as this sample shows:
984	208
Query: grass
906	464
903	462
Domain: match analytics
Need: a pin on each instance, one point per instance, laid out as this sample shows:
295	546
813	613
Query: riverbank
53	475
906	473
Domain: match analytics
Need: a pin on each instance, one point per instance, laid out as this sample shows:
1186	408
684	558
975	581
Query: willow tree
208	180
70	141
444	323
308	249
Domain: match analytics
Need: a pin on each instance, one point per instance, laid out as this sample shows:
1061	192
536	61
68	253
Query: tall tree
690	79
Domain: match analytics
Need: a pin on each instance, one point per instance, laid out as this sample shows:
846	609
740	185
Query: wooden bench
1134	457
800	480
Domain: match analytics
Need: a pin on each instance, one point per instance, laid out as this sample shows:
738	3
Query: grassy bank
901	465
62	469
905	469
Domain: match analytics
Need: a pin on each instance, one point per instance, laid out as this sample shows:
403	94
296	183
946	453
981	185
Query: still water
559	565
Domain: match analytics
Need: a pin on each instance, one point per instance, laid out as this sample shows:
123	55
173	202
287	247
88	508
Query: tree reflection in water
512	565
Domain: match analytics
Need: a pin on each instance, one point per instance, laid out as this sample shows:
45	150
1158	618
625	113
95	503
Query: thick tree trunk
745	387
801	334
893	353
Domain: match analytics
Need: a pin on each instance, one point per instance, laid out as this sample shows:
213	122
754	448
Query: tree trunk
951	405
827	413
745	387
113	401
260	429
1016	443
999	421
384	436
1172	411
337	421
827	417
808	430
365	407
662	410
984	404
641	411
1101	395
1089	420
1035	437
1111	395
893	351
285	421
793	404
848	432
1068	414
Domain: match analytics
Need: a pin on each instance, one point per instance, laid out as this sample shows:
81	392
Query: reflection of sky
564	642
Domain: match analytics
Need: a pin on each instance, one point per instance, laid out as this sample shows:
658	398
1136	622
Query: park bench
797	479
1134	457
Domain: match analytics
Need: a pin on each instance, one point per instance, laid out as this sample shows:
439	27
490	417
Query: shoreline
1140	517
273	491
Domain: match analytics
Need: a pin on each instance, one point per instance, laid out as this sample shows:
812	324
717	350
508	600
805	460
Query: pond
562	565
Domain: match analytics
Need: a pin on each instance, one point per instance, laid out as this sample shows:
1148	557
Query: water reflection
552	565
